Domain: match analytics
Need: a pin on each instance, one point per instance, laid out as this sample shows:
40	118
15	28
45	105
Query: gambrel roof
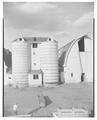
65	50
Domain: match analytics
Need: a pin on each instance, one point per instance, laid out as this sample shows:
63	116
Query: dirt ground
78	95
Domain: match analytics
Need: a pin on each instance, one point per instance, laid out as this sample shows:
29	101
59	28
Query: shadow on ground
47	101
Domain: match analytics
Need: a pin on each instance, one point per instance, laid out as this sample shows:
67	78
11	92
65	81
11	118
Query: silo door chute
35	78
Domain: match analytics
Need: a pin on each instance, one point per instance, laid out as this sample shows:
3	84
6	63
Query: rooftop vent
21	38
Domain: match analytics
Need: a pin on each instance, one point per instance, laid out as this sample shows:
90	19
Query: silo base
50	84
20	85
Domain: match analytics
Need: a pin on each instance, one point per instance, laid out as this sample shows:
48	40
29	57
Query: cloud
42	17
62	21
84	20
36	7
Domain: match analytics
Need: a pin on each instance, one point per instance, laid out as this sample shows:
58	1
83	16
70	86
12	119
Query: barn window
81	45
35	76
34	45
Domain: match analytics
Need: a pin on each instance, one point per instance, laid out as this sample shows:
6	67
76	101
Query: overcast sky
61	21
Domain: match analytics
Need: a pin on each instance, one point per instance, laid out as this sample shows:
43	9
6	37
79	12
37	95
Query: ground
79	95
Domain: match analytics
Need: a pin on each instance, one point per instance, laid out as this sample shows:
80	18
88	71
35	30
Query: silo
20	62
49	62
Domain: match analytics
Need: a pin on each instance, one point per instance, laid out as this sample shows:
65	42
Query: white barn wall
87	60
73	66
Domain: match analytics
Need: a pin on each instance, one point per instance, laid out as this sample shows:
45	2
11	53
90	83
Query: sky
61	21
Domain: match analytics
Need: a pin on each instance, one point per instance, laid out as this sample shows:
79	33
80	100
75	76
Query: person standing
15	109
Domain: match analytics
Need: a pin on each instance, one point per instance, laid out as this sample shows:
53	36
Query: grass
78	95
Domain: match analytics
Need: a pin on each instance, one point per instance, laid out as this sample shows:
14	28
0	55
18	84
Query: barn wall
72	71
87	60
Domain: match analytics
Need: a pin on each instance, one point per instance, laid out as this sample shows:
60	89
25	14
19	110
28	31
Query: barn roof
34	39
62	54
65	50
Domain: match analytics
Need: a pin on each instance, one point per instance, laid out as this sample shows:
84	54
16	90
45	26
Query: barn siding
87	60
72	72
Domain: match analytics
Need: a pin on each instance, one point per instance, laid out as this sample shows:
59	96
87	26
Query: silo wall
49	62
20	63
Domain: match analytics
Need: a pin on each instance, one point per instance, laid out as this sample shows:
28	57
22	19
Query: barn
76	61
36	61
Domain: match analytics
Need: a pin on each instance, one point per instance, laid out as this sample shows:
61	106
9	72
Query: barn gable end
78	59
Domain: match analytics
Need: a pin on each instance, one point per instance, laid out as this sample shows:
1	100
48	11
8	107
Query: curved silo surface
20	63
49	62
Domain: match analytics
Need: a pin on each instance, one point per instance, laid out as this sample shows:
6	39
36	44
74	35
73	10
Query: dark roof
62	54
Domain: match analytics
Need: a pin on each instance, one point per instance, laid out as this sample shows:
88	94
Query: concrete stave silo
20	62
49	62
